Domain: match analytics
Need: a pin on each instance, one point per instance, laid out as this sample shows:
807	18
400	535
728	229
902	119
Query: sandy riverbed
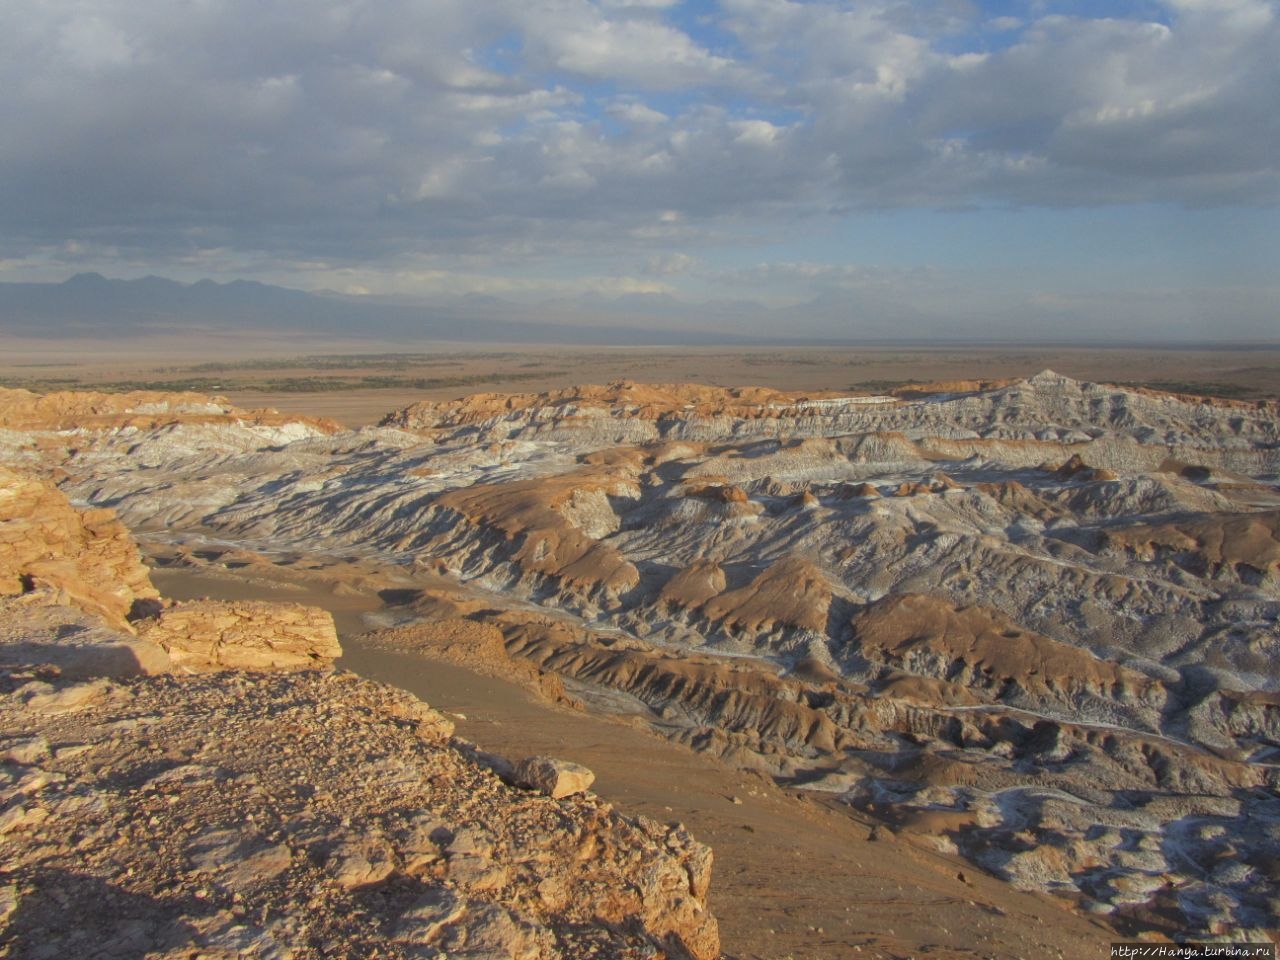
795	875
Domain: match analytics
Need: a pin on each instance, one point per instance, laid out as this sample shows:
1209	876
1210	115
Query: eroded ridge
1035	620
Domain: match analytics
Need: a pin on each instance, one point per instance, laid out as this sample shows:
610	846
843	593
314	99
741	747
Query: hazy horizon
1046	170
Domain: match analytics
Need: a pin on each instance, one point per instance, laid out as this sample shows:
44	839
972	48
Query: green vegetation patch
328	361
882	386
1227	391
300	384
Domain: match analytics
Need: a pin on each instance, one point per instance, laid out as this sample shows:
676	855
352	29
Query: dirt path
795	876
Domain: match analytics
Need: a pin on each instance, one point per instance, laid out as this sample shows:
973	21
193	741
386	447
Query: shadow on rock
74	915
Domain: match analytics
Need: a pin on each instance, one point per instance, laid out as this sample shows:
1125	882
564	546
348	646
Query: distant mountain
90	305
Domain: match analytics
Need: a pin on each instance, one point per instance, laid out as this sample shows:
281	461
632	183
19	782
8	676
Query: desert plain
363	381
950	652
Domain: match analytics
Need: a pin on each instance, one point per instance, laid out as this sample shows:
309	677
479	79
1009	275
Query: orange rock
244	635
85	559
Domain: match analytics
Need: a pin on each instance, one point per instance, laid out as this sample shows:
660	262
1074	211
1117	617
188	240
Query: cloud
628	46
810	275
634	111
371	134
669	264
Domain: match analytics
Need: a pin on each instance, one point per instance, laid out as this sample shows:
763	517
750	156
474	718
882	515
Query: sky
943	168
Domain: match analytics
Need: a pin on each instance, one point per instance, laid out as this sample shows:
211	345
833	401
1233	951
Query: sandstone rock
238	859
360	862
982	649
488	930
694	585
556	778
9	901
26	751
793	592
431	724
807	501
419	845
543	535
423	921
147	409
84	558
865	491
75	697
19	817
244	635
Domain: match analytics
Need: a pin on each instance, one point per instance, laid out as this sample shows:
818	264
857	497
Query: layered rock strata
81	558
1030	616
243	635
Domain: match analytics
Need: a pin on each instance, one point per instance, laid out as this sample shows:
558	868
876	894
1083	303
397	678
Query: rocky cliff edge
276	812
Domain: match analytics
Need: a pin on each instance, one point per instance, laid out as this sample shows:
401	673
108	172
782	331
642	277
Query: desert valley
639	480
971	668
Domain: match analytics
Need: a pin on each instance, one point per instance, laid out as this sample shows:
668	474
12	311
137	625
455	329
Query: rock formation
82	558
263	810
308	814
556	778
243	635
1038	620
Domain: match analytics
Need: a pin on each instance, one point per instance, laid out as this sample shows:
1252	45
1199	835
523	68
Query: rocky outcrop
694	585
243	635
1239	547
308	814
791	593
555	778
80	558
623	399
548	529
137	410
79	592
1074	589
67	642
985	652
1046	409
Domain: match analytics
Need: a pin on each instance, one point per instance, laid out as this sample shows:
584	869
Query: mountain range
91	305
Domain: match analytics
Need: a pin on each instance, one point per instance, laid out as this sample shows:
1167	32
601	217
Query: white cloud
93	44
634	111
368	133
668	264
757	133
640	4
1003	24
578	37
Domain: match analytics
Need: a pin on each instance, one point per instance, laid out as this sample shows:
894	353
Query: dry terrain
357	383
984	667
195	779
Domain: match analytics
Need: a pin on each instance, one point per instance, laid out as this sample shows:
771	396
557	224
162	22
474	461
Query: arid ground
356	385
795	876
982	672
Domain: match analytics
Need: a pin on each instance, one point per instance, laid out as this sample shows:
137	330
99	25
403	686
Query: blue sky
947	167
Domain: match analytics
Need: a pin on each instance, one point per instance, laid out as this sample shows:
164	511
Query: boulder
80	558
204	635
556	778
